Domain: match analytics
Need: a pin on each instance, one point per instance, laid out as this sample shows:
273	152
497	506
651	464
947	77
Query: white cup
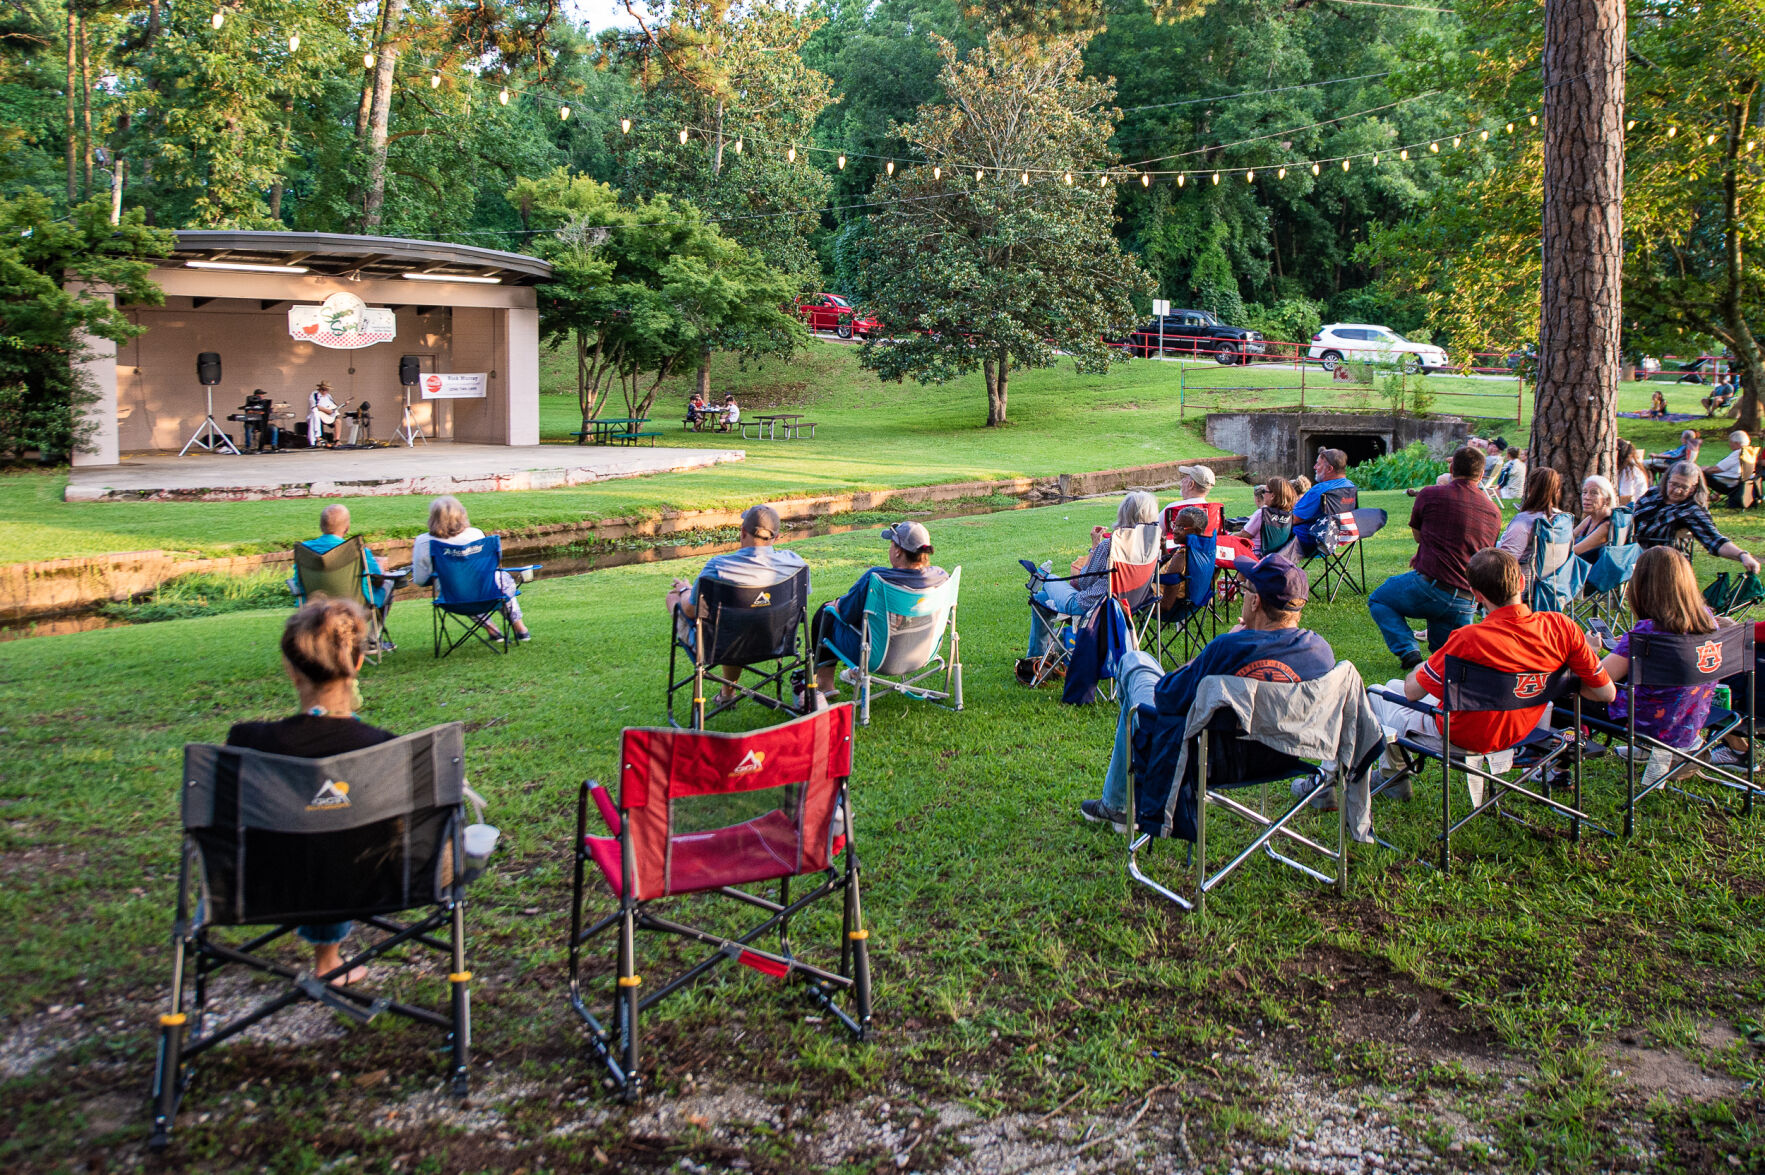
480	843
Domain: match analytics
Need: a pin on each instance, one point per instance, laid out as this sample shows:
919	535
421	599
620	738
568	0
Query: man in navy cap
1266	644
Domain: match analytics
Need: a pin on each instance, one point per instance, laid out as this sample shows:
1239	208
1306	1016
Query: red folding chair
707	813
1216	518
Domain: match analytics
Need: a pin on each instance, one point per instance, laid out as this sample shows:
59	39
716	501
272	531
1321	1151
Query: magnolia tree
998	252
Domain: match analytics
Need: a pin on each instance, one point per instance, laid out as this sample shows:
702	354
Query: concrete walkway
436	468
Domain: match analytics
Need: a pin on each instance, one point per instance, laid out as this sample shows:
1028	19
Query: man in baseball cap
839	624
1266	644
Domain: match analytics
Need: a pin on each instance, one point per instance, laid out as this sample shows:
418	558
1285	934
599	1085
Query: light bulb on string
1250	177
1216	178
977	175
889	167
1671	131
1630	125
738	144
1751	143
367	61
625	126
937	173
504	96
1103	180
1345	165
842	162
683	136
792	153
1314	169
1181	179
1510	128
1533	120
1709	140
1375	161
1281	174
1404	154
1434	147
435	81
1069	179
563	113
1145	180
218	19
1483	136
1455	141
294	43
1025	180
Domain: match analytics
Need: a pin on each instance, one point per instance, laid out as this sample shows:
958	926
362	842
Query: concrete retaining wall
1278	444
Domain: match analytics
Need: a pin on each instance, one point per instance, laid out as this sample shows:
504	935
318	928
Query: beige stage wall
150	398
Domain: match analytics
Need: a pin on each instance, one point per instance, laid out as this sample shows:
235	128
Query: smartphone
1603	630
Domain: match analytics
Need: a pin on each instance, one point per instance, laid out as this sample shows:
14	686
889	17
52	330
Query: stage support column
521	363
97	363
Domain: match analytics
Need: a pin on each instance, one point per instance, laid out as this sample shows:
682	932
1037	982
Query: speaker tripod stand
208	434
407	431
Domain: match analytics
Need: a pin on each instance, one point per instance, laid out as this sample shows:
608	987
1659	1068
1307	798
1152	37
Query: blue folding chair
901	642
1193	614
1602	592
1553	541
467	596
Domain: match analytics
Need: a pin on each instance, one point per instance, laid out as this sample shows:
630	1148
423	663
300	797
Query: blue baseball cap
1276	581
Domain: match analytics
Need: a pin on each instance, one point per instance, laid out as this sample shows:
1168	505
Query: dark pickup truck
1195	332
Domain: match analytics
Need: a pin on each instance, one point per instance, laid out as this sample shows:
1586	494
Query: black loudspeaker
208	368
410	371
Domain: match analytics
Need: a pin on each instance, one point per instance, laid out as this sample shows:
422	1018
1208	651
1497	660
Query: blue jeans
1136	675
1409	596
325	933
1058	597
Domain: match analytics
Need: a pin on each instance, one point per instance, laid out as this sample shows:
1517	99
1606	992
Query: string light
1751	143
683	136
1375	161
1709	140
1455	141
1671	131
1103	181
738	144
842	163
218	19
1314	169
1216	178
1345	165
294	43
504	96
1281	174
977	175
1404	154
1181	178
1145	180
368	61
1533	120
937	173
435	81
1631	125
625	126
1510	128
890	167
1250	177
792	153
1069	179
563	113
1026	179
1483	136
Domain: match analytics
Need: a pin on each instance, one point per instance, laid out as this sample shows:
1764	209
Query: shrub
1411	466
1291	320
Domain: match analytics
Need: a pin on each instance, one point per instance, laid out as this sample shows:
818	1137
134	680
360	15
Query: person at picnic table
333	532
1451	523
695	408
1267	644
1270	525
448	524
1050	596
1657	405
1594	531
1663	596
756	563
1726	473
910	566
1520	539
1174	571
732	413
1331	494
1673	506
1512	638
323	646
1633	474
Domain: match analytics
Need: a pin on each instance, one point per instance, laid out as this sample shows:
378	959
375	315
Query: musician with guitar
321	416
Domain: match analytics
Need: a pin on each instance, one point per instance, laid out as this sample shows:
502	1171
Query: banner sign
455	385
343	323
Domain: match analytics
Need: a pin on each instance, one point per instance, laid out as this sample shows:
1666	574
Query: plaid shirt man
1658	520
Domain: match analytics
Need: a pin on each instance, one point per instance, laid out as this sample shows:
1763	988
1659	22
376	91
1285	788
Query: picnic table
608	429
768	425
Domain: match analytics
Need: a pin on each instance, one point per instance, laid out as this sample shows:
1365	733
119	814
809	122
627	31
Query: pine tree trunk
73	154
86	101
1574	426
380	117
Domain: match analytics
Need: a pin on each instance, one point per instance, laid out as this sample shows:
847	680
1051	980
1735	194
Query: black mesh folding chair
762	630
1539	756
1222	759
1339	554
1671	660
719	815
275	842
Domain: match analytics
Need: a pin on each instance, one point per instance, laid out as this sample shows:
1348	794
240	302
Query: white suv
1373	344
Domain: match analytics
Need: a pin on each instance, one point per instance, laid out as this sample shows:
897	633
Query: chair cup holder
480	844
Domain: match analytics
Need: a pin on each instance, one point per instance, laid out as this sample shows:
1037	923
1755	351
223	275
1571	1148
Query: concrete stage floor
436	468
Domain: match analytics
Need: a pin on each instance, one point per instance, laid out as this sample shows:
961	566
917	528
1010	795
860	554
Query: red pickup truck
833	313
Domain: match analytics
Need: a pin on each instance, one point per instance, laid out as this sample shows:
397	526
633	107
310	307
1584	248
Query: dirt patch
1669	1072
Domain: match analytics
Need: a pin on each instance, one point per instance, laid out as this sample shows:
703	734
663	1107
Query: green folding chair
338	574
908	635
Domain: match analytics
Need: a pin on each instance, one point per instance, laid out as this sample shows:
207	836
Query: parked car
1365	343
834	313
1195	332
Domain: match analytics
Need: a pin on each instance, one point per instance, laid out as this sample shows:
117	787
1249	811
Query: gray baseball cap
911	537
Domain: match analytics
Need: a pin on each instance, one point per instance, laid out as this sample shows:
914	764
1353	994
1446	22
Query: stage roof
341	255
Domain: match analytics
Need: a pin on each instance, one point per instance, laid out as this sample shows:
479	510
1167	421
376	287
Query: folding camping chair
740	628
902	642
338	574
1338	538
1553	540
1602	592
1167	525
1220	758
273	841
1133	582
703	813
1193	614
467	594
1679	661
1470	687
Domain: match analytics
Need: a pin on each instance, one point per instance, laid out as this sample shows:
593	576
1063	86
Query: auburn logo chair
275	842
763	630
714	814
1541	755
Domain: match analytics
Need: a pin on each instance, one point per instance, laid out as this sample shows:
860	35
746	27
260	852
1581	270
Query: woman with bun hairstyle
323	645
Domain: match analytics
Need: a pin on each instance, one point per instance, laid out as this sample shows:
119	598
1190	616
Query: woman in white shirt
1633	475
449	524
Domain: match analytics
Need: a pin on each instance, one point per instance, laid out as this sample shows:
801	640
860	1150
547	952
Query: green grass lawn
872	435
1015	968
